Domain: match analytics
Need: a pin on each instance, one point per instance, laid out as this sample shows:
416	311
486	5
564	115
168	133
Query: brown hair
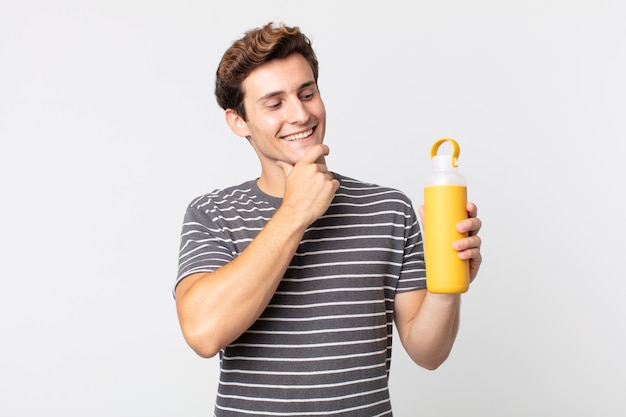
257	47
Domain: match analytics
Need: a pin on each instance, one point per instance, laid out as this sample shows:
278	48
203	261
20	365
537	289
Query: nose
297	113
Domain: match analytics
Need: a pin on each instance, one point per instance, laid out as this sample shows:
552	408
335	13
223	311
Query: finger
316	154
469	244
285	166
470	226
467	254
471	208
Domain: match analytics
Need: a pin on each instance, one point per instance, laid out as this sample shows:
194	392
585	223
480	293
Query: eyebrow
277	93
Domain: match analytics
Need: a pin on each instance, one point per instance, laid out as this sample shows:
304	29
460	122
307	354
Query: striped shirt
322	347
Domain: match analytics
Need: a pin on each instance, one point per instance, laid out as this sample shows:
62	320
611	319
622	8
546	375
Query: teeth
299	135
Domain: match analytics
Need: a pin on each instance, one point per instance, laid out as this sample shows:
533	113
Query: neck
272	183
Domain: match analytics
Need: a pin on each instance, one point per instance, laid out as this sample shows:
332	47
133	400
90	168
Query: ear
236	123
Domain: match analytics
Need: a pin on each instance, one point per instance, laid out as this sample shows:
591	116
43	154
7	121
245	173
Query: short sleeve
203	244
413	273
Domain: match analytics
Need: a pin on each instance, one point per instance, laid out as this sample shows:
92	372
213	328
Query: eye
307	95
274	104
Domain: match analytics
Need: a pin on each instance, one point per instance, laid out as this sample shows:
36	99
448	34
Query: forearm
433	330
215	308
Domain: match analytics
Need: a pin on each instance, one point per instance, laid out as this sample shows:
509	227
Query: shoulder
241	206
352	188
236	197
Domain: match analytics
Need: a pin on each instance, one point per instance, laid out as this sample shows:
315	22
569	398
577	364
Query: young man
296	278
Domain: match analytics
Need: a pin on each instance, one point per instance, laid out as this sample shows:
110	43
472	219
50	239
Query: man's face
286	115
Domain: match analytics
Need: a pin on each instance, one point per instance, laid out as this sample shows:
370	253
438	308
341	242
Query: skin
214	309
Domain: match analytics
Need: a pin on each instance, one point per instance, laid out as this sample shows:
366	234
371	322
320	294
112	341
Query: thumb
420	211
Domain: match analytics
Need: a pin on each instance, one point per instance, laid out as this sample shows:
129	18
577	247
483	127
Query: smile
298	136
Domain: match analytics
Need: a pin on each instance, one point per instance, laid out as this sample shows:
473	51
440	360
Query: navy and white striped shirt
322	347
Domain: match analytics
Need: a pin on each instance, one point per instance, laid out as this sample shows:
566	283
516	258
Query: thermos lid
443	163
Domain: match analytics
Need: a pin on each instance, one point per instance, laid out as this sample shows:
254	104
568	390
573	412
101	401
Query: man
296	278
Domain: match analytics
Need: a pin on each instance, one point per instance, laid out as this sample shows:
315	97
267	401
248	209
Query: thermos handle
456	150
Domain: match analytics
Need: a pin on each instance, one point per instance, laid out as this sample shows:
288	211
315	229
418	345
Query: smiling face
285	113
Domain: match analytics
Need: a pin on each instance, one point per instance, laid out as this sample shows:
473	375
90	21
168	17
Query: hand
468	247
309	186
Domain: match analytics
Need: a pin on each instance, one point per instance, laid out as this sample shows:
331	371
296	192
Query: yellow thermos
445	201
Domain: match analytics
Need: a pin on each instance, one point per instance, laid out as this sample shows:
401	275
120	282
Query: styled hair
256	47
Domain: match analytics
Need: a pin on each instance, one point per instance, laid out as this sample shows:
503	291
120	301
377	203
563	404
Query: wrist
293	217
445	299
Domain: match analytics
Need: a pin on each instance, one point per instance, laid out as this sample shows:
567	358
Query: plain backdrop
109	127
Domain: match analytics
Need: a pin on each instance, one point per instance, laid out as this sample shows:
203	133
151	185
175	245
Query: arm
428	323
215	308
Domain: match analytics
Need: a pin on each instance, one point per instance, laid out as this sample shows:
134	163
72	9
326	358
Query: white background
109	127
